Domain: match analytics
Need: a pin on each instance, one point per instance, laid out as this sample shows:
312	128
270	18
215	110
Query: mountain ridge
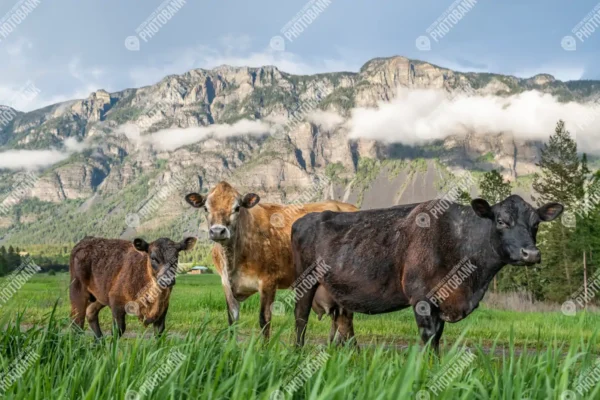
112	164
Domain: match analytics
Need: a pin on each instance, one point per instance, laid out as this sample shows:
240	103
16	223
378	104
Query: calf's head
223	206
164	257
515	224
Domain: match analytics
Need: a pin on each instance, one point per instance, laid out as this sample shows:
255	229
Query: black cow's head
516	225
223	206
164	257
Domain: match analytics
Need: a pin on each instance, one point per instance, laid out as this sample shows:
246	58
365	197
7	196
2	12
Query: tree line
9	259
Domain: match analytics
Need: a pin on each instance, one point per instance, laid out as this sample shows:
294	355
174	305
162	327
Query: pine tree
464	198
3	265
561	179
493	188
13	259
585	242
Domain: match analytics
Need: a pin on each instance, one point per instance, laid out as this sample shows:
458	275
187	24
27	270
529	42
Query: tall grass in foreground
220	366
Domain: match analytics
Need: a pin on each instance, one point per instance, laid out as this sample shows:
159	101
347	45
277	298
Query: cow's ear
482	209
141	245
549	212
195	200
250	200
187	244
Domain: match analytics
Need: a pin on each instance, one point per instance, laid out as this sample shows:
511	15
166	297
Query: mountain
93	189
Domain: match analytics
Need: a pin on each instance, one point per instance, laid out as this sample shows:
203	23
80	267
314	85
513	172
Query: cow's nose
531	255
218	232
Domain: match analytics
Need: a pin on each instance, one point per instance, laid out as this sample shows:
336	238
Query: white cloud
38	159
73	146
30	159
326	119
418	116
174	138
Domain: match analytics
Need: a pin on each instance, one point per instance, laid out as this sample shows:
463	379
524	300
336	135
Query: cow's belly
367	297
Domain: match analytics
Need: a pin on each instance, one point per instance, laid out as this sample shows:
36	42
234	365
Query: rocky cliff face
112	165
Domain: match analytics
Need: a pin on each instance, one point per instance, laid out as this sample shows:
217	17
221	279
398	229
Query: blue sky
70	48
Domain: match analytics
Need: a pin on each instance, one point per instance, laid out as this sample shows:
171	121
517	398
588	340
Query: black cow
440	263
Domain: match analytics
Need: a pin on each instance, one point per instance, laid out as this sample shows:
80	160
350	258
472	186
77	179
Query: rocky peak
94	107
542	79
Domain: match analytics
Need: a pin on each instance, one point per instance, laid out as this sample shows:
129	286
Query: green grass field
492	354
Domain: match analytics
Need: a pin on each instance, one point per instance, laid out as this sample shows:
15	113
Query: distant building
197	270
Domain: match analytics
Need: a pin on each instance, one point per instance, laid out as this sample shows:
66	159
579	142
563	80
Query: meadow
491	354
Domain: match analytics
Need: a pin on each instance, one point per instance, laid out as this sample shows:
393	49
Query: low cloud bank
30	159
413	117
163	140
417	116
38	159
174	138
326	119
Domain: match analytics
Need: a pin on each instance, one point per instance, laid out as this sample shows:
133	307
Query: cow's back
100	264
267	240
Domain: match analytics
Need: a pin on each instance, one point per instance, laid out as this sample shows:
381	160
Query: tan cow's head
223	205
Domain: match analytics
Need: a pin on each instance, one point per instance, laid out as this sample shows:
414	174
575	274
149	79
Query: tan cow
252	251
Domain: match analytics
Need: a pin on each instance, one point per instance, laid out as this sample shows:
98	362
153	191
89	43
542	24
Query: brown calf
252	251
135	278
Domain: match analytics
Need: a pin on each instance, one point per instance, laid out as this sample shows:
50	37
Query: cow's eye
236	209
502	224
205	209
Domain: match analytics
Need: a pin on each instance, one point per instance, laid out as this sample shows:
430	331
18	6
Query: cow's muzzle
218	233
531	256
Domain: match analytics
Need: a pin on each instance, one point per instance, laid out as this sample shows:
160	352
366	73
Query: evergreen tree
464	198
561	179
493	188
13	259
3	266
585	241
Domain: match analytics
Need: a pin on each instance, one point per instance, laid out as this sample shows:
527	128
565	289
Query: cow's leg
119	313
333	330
233	306
431	326
304	300
159	324
267	297
91	313
79	302
344	326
